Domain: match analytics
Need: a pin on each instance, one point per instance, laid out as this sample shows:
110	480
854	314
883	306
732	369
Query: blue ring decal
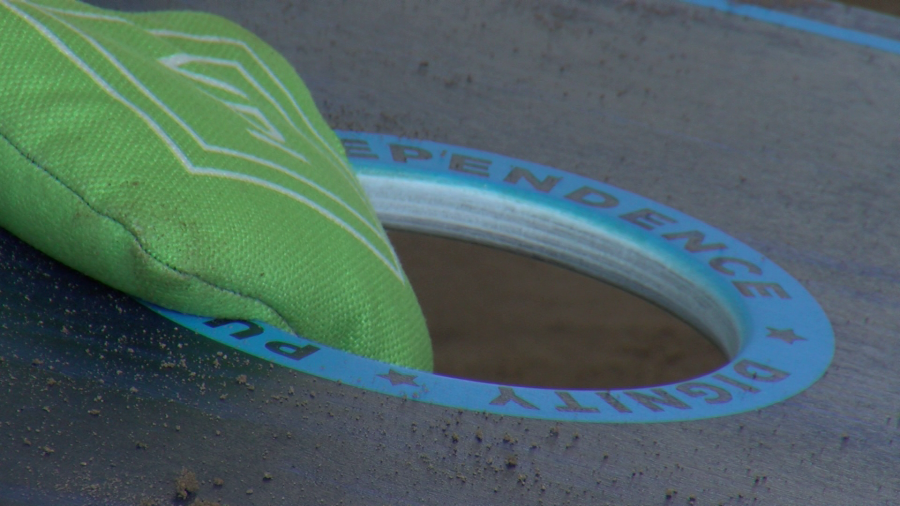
785	339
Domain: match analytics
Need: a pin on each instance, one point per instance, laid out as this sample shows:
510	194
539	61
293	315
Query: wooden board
780	132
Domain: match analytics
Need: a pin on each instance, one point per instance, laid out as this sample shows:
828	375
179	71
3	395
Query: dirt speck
186	484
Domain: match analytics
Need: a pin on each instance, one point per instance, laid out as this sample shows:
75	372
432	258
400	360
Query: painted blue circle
785	340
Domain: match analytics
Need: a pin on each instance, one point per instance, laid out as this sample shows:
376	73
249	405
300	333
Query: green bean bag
178	158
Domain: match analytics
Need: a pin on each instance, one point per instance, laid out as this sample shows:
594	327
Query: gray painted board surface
786	140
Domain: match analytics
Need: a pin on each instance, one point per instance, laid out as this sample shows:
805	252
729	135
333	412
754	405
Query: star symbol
786	335
397	378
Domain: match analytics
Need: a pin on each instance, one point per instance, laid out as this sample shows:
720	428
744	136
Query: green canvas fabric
177	157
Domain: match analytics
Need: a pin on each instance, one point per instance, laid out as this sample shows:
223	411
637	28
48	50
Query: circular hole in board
504	318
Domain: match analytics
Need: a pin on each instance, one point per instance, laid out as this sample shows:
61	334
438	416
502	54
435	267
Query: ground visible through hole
499	317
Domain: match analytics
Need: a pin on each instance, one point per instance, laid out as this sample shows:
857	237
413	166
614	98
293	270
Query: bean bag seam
34	163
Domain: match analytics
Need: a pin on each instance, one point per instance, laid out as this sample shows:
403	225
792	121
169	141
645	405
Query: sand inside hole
500	317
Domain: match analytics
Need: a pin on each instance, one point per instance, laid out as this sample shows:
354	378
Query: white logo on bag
261	128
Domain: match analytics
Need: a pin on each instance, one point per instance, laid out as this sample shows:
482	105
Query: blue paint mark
802	24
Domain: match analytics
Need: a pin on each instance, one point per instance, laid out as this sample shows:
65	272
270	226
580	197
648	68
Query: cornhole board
774	122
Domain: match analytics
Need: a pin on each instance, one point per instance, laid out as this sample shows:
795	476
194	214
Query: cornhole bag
178	158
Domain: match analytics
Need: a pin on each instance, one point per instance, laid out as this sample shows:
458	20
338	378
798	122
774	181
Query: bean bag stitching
34	162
